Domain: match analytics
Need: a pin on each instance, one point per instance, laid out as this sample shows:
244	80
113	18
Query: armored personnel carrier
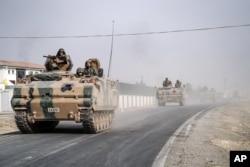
169	94
207	95
58	95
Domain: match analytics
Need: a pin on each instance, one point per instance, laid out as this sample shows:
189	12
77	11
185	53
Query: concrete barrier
134	96
132	102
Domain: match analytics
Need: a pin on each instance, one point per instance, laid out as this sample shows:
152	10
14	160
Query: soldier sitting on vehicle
59	62
79	72
167	83
89	70
178	84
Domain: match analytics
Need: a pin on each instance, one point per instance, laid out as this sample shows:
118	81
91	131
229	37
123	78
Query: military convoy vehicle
207	95
59	95
169	94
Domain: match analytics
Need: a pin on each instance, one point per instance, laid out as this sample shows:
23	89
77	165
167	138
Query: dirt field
7	124
212	137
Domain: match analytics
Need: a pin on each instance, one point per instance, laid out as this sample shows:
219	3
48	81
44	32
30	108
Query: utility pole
110	58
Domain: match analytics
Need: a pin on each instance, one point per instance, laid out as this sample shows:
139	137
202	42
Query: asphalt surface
135	139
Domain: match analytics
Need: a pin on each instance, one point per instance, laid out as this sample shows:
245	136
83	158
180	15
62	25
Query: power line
129	34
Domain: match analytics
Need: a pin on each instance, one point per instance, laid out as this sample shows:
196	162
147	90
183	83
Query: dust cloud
217	58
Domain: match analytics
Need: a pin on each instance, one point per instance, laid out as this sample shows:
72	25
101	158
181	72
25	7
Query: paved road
135	140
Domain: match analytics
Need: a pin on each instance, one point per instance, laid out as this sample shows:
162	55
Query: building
14	71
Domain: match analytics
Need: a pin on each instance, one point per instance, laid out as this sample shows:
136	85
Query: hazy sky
201	57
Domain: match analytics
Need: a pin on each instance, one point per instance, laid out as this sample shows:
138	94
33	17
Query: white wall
7	73
5	97
132	101
10	73
3	73
32	71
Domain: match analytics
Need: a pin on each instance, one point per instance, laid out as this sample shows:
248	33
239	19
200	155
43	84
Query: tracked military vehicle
208	95
169	94
53	96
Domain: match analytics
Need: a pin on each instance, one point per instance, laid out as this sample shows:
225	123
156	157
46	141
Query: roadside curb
184	128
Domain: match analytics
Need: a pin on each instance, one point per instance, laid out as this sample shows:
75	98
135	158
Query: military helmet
61	50
80	70
89	60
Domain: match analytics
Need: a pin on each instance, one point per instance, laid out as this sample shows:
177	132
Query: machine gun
58	63
56	59
50	56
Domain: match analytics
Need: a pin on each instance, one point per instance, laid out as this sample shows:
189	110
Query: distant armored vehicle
169	94
207	95
53	96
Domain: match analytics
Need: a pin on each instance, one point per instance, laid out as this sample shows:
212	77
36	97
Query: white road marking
66	145
60	149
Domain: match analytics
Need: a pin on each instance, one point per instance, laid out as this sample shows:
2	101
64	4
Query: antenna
110	58
180	77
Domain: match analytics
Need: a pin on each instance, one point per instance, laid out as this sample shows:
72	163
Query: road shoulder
208	140
7	123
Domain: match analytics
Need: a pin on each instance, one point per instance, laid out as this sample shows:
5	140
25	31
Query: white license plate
54	109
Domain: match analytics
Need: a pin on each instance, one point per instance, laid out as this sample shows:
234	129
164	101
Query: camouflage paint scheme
170	95
67	99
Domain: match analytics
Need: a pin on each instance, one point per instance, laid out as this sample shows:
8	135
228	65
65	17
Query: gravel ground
7	124
211	137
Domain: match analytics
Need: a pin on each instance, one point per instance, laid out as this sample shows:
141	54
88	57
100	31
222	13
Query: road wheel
22	123
97	121
91	121
25	127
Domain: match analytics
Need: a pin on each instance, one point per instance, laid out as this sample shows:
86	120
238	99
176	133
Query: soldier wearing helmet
61	61
167	83
79	72
178	84
89	70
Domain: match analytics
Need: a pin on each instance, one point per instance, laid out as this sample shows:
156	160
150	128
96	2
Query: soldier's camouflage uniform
62	63
89	72
178	84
